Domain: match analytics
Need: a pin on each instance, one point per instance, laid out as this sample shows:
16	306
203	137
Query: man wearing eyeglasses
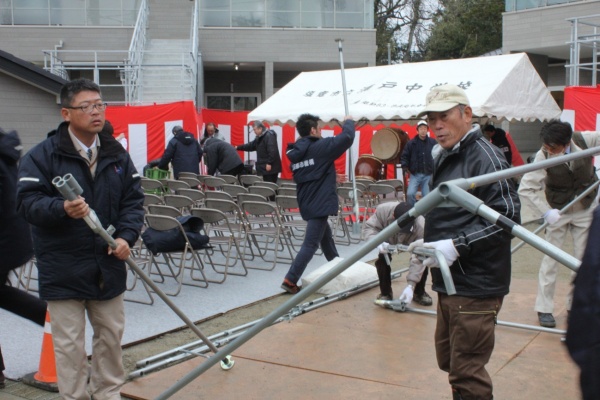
78	273
547	191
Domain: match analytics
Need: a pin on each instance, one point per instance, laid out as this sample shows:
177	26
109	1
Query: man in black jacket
416	158
183	151
312	160
268	161
221	156
477	251
79	274
15	239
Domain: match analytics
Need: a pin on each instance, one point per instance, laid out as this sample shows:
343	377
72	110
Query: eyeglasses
89	108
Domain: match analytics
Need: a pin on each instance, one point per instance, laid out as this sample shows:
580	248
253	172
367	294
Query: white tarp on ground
504	87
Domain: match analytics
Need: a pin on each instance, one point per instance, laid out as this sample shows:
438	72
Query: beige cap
444	97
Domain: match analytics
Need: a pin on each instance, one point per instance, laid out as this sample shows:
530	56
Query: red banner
582	107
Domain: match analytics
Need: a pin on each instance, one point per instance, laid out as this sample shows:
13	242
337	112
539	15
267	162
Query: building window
232	102
352	14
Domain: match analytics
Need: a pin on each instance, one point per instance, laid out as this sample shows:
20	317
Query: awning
502	87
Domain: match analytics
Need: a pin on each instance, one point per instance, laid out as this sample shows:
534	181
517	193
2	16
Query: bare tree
404	23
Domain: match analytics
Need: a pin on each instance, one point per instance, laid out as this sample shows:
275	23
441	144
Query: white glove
416	243
407	295
383	247
552	216
447	248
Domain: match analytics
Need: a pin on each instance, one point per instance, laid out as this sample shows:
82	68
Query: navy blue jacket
184	152
416	155
314	172
72	261
15	236
583	332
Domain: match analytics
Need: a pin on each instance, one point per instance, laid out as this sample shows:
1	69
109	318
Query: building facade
225	54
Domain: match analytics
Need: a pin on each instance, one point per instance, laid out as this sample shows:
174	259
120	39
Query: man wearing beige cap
477	251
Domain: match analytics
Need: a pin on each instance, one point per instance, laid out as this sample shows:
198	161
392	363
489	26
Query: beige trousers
578	225
68	324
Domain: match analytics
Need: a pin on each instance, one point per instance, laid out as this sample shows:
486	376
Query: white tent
502	87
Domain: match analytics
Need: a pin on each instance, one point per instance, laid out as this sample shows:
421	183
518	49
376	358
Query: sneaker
385	296
546	320
290	287
423	299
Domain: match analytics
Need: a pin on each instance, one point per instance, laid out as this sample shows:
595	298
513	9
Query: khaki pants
68	335
464	341
578	223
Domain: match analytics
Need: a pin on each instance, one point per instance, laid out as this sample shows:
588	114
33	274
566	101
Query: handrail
133	70
194	49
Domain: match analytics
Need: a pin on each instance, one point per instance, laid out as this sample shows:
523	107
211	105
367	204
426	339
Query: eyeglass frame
94	106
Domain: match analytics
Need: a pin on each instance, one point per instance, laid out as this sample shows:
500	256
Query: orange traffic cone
45	378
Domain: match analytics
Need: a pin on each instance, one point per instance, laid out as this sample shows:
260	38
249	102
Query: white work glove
407	295
383	248
552	216
416	243
447	248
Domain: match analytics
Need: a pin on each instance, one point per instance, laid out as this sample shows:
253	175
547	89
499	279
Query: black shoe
2	381
290	287
546	320
423	299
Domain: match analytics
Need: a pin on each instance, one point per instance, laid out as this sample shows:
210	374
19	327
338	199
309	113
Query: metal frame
452	193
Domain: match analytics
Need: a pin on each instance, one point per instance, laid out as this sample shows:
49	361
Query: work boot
546	320
423	299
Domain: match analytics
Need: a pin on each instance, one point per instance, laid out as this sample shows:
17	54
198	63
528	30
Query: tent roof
502	87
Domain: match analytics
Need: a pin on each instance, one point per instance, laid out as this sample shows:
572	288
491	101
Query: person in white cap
477	251
416	159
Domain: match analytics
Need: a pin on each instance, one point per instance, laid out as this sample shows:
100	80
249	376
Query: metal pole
70	189
502	323
562	211
389	53
355	226
306	291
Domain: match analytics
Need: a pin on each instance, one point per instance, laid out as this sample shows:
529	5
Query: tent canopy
502	87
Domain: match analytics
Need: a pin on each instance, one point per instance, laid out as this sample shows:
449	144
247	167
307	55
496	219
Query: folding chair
182	203
290	217
230	179
225	238
174	185
188	175
267	233
159	209
249	180
398	184
234	190
177	261
192	181
153	186
346	211
271	185
214	182
286	191
267	192
215	194
142	260
195	194
381	193
150	198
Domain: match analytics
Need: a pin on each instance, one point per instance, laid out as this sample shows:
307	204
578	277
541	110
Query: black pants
384	272
21	303
235	171
270	178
